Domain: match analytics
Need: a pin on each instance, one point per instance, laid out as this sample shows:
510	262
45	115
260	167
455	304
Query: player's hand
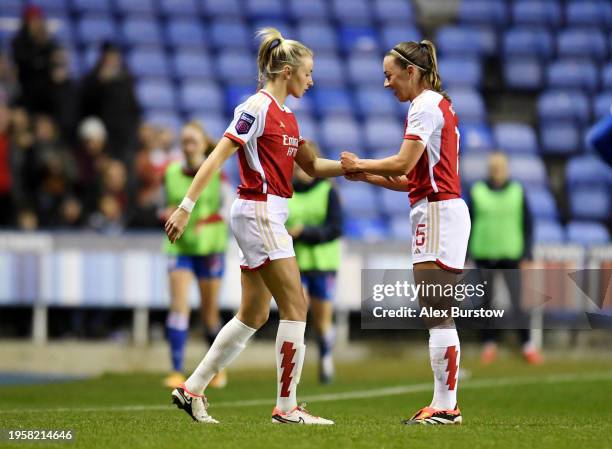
356	176
349	162
175	226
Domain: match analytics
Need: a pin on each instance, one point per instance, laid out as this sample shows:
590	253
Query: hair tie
275	43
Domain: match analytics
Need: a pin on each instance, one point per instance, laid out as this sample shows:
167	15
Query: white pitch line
347	395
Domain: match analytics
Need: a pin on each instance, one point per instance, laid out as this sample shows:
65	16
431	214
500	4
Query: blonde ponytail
275	52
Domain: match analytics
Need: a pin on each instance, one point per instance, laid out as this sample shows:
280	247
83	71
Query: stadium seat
265	9
395	204
135	7
475	137
192	64
328	71
312	9
61	29
383	134
589	13
374	101
237	94
185	8
138	31
587	233
528	170
237	67
582	43
355	12
308	127
602	104
466	40
483	12
164	119
523	73
51	7
515	137
332	100
394	34
537	12
563	105
389	11
365	229
148	63
214	124
547	231
587	170
361	38
228	33
460	71
216	9
573	74
541	203
91	6
590	203
473	167
340	133
527	41
560	138
468	104
196	97
11	8
364	69
400	228
300	105
155	94
185	32
93	29
319	36
606	77
359	199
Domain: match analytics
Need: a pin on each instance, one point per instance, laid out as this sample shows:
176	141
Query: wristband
187	205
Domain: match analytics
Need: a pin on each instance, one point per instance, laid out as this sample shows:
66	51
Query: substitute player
265	134
200	253
315	223
427	166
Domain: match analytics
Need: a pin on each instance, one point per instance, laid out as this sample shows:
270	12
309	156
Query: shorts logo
244	123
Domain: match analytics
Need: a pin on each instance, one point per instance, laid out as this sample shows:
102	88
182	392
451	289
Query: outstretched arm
399	164
397	183
178	220
314	166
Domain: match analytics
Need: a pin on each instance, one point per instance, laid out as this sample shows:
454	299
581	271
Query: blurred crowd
74	153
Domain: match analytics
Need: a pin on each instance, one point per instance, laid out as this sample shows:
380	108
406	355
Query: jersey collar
265	92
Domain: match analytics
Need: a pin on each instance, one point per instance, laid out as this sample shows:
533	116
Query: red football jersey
431	120
269	139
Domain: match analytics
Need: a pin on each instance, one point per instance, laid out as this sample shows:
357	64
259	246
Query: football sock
230	342
290	350
444	354
177	326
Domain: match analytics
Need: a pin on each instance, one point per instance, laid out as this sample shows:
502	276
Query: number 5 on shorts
419	235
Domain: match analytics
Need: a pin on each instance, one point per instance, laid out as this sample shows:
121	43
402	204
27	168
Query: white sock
444	353
230	342
290	350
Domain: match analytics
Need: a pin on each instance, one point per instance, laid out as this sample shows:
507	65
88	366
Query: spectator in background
108	93
500	239
6	181
23	176
33	49
9	88
112	202
63	95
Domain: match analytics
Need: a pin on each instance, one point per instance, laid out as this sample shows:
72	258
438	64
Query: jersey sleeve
421	124
249	120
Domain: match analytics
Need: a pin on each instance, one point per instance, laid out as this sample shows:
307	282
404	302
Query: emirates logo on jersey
292	143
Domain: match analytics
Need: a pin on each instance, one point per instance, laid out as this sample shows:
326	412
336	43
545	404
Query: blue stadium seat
541	203
475	137
222	8
332	100
563	105
196	97
359	199
383	134
11	8
394	34
300	105
135	6
588	13
214	124
586	171
365	69
237	94
265	9
590	203
573	74
137	31
340	133
523	73
164	119
516	138
473	167
312	9
93	29
587	233
155	94
308	127
328	71
61	29
560	138
468	104
232	34
361	38
374	101
528	170
527	41
366	229
460	71
51	7
185	32
537	12
237	67
547	231
582	43
389	11
466	40
606	77
355	12
192	64
483	12
602	105
400	228
185	8
148	63
395	204
89	6
319	36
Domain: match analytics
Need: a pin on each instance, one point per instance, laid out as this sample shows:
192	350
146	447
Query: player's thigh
255	304
180	284
282	277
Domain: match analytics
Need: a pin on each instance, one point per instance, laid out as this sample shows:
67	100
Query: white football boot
298	415
195	405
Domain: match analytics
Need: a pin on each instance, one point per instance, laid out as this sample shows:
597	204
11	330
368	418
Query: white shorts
440	232
259	228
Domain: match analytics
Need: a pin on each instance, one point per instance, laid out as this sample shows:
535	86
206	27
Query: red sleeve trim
411	137
234	138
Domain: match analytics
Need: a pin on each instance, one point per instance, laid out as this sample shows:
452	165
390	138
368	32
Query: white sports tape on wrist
187	204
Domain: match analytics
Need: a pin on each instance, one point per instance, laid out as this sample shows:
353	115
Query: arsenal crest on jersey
244	123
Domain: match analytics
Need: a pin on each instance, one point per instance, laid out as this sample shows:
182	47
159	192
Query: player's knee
253	319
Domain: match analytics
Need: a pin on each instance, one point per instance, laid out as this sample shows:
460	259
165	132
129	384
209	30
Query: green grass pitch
561	404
